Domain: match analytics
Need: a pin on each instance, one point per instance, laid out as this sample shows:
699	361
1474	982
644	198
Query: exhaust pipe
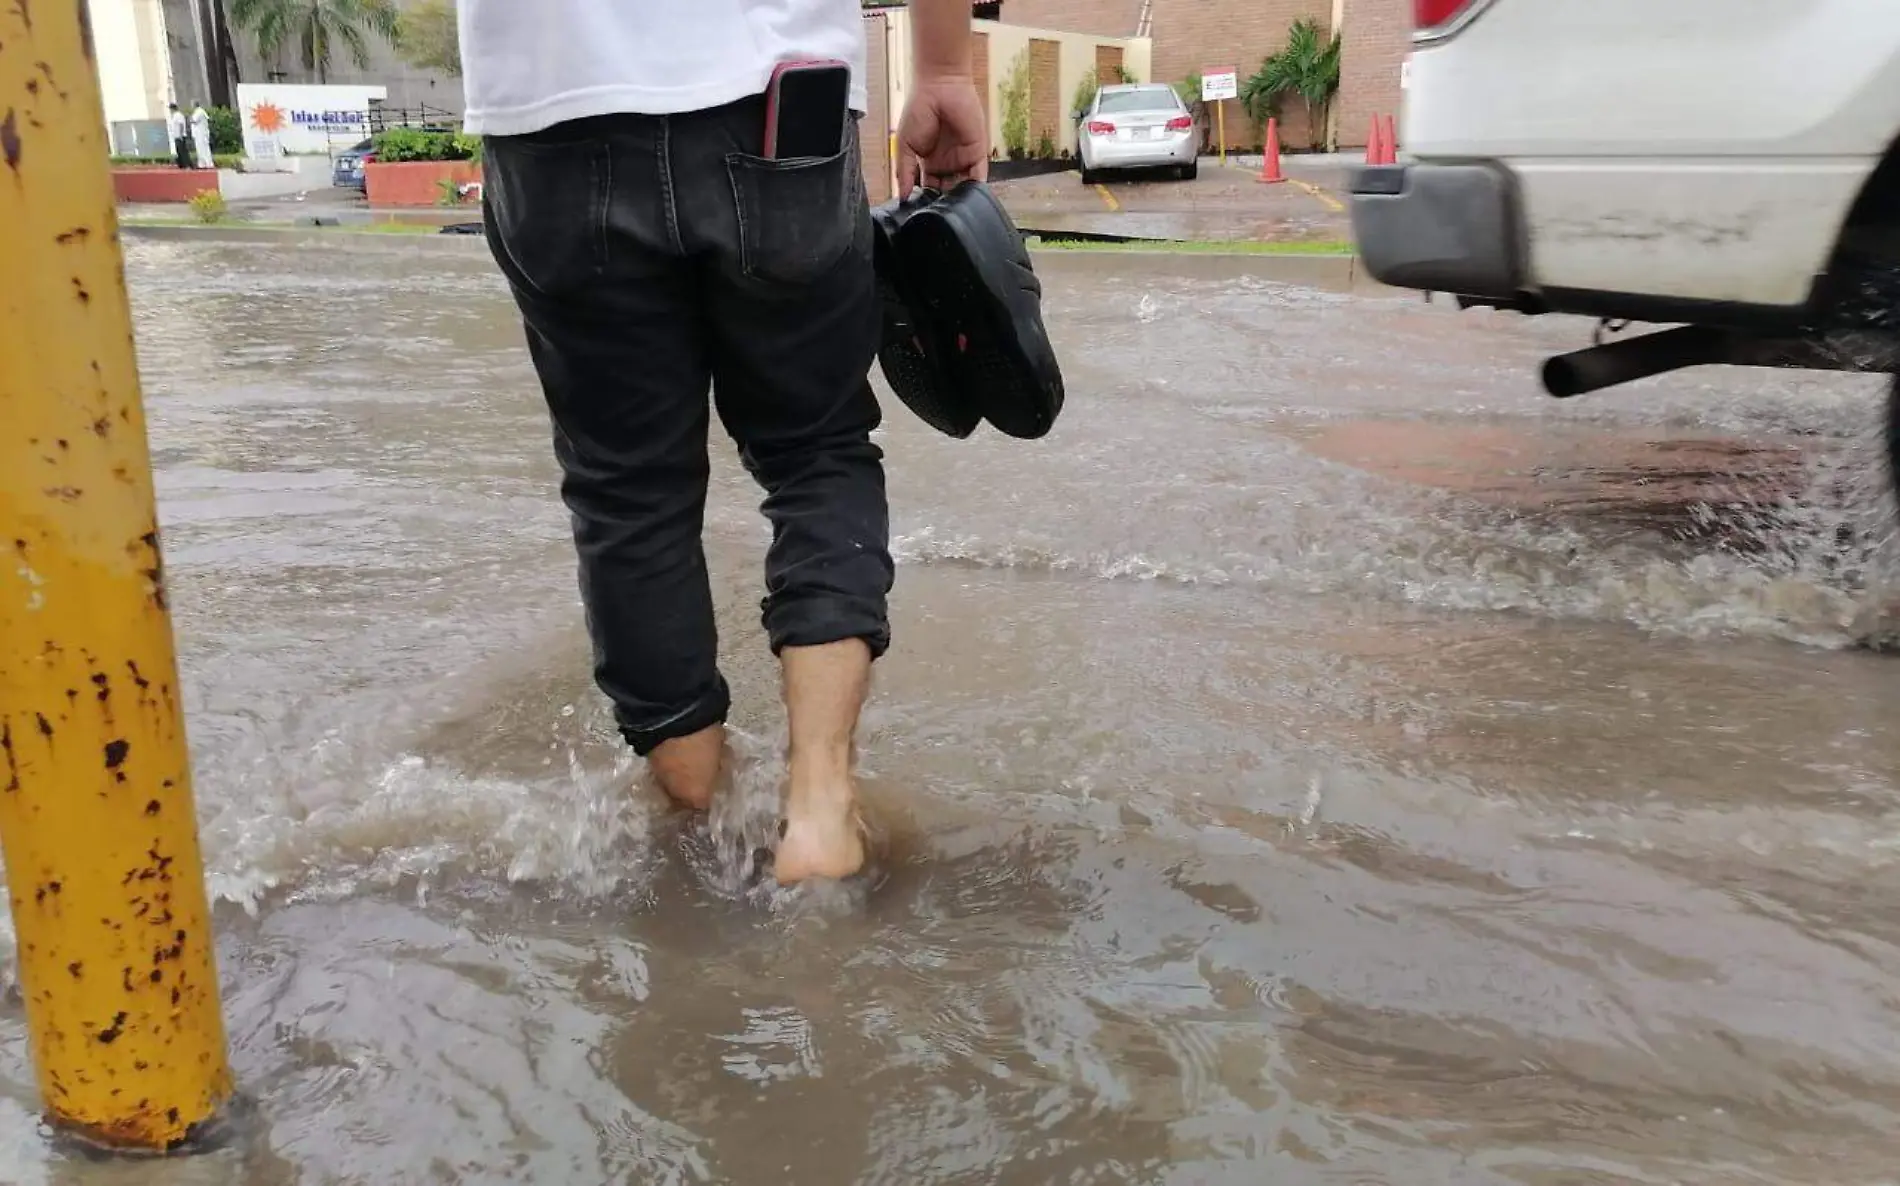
1597	367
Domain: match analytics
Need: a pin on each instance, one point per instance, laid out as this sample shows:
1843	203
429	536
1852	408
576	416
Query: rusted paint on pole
96	817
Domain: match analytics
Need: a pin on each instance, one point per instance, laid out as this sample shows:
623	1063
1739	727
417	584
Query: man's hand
942	137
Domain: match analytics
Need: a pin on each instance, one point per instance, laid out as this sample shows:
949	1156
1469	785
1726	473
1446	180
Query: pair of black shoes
963	335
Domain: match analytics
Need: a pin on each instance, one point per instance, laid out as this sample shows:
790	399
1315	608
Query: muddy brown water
1324	759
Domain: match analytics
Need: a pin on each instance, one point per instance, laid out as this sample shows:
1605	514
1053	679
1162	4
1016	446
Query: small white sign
1222	82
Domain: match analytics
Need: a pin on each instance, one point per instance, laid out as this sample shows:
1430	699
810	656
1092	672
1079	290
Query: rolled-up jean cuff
711	709
805	629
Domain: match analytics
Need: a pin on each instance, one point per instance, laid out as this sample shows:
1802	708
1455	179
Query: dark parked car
346	168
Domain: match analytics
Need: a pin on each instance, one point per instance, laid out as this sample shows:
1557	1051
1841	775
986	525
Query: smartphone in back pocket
805	108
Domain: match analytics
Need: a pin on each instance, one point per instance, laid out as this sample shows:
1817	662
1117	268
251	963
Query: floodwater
1323	759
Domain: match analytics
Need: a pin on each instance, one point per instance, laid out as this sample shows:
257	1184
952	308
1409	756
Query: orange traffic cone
1270	155
1391	142
1375	155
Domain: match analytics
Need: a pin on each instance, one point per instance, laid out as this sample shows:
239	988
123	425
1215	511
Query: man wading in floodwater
653	252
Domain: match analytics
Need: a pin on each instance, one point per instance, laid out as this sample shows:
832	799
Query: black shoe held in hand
964	339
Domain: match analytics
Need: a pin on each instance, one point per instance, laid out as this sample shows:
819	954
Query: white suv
1732	166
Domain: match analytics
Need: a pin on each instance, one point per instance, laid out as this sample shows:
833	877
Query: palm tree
1307	67
316	27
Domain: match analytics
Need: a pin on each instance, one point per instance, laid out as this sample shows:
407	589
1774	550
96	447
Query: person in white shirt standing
181	138
655	253
201	135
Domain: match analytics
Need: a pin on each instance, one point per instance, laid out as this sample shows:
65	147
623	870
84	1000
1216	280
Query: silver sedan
1137	126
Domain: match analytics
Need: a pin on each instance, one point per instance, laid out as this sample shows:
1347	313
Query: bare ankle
820	799
825	687
821	772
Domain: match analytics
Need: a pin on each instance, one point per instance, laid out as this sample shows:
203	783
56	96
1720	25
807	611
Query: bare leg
824	690
687	768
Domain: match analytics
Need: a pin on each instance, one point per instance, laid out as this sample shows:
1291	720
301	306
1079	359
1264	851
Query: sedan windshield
1147	98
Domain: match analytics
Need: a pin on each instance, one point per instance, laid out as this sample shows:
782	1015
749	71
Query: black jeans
655	256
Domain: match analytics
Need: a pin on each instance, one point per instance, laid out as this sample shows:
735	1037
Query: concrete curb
1340	273
286	232
1312	271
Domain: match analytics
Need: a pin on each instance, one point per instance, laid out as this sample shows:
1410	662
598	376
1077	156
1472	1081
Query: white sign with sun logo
281	120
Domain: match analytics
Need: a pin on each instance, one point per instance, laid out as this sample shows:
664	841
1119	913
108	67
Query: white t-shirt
527	64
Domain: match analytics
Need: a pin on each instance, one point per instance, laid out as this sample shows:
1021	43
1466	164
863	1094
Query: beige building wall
874	141
128	38
1075	57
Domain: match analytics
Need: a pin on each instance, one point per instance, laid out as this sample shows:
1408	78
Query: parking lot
1225	202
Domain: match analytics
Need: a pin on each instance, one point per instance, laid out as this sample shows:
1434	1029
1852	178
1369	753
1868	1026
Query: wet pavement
1323	759
1224	202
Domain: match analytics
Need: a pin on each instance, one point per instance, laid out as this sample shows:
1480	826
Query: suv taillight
1429	14
1442	17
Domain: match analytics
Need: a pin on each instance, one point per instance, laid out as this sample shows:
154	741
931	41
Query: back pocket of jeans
798	218
545	205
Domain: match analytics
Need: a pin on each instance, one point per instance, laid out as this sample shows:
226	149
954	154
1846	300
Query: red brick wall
874	130
1045	99
1107	18
1378	35
1108	60
1191	35
162	183
414	183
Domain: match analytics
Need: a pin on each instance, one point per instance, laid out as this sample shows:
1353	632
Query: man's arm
940	38
942	137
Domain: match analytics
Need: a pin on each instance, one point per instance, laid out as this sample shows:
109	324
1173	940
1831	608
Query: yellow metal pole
96	817
1220	118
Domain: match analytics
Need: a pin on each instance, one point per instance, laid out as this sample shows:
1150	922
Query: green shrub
396	145
1085	90
227	132
1308	67
209	206
448	192
1016	106
219	160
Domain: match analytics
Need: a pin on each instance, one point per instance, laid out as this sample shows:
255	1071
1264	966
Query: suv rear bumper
1440	227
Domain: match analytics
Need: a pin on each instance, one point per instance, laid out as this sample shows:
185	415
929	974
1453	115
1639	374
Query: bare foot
687	768
826	843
